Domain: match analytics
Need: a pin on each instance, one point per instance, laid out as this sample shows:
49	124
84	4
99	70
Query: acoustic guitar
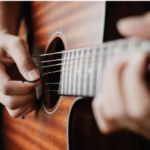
71	43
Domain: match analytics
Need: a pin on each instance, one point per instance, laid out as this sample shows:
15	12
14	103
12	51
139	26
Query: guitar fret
99	69
83	71
67	70
79	72
63	76
92	72
75	73
86	72
104	56
95	71
108	55
71	73
82	68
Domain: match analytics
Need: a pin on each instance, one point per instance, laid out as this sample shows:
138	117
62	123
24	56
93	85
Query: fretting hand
124	99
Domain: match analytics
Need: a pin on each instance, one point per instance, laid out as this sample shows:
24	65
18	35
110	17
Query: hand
17	96
124	99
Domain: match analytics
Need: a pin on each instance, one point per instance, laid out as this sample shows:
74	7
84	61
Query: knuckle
19	42
11	105
106	130
15	41
110	116
114	114
137	113
5	89
97	102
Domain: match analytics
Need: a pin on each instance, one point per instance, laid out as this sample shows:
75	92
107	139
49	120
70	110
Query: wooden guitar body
67	122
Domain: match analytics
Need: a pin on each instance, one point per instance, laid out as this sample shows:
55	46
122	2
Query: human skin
127	106
123	101
18	97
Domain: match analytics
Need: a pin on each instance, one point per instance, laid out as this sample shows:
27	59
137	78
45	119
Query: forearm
10	15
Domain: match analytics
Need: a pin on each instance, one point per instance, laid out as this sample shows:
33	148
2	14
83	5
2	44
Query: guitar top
66	42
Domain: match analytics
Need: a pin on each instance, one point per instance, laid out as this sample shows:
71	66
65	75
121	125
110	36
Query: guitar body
65	122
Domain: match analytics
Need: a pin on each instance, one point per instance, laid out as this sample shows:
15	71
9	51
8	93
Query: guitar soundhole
51	81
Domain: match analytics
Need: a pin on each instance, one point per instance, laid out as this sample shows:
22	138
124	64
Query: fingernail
34	74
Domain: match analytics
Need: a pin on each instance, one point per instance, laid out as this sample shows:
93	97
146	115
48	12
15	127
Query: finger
138	26
20	111
5	58
108	106
14	102
17	87
102	123
18	50
9	87
136	93
7	62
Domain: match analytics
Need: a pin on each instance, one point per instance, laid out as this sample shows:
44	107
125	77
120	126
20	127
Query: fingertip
120	26
125	26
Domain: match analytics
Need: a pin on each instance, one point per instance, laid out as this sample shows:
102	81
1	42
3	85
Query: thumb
18	50
138	26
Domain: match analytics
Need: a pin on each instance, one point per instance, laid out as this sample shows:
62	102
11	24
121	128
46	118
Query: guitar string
111	43
49	90
59	82
83	48
47	61
59	64
62	52
57	71
62	63
104	53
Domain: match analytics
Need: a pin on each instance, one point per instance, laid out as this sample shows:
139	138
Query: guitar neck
82	68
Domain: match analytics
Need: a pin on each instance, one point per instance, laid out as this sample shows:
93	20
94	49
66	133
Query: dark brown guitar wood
80	22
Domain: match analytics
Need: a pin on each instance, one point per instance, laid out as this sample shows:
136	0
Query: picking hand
17	96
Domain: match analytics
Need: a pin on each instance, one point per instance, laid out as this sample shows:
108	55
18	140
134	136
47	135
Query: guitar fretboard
82	68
